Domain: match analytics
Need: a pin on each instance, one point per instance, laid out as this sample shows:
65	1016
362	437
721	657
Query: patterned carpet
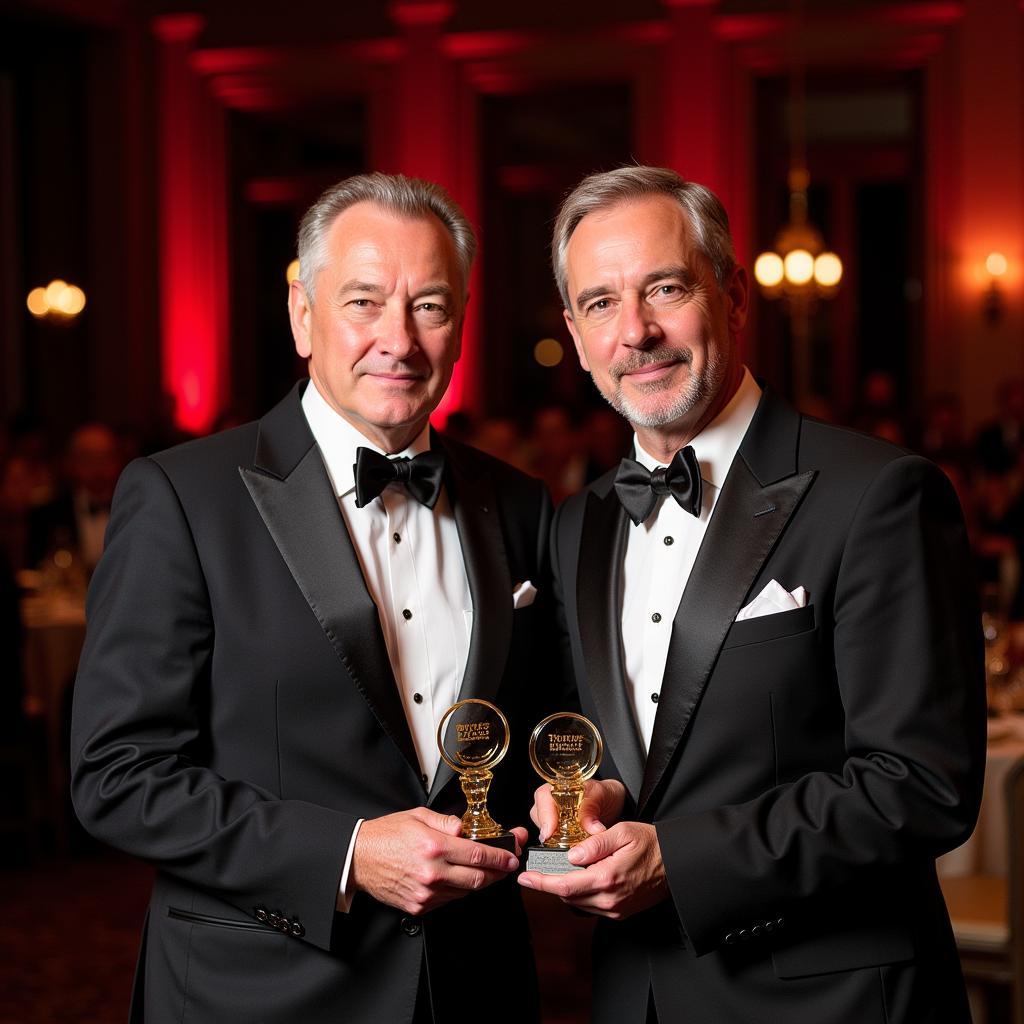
69	934
68	938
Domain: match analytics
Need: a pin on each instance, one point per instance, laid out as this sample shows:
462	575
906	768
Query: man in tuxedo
282	615
771	622
77	518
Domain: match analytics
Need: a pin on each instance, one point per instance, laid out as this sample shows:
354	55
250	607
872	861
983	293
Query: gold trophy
472	737
565	750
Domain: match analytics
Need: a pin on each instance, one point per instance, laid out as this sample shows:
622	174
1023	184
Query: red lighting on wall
193	247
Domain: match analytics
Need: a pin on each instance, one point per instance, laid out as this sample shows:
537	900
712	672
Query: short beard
699	390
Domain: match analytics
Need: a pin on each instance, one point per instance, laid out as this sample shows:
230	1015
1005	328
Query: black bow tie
639	489
421	476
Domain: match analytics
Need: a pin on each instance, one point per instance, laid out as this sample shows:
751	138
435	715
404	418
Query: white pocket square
773	599
523	594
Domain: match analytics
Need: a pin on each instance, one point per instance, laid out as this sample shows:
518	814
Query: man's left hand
623	873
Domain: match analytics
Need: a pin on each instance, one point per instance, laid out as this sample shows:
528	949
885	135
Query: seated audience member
77	517
1000	443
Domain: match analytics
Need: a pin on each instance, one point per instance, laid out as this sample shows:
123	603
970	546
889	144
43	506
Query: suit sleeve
909	668
139	781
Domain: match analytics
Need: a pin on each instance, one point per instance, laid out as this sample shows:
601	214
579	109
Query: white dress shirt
411	558
660	553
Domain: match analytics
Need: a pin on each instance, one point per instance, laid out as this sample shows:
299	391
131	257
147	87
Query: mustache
640	360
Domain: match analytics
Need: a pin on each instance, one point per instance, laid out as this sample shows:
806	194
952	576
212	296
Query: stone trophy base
549	860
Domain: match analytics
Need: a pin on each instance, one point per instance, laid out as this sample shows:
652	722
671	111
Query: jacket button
744	935
411	926
261	914
780	923
297	930
730	939
274	918
757	931
769	926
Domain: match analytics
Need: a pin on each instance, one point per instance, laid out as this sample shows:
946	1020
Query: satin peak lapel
598	586
747	522
301	513
474	506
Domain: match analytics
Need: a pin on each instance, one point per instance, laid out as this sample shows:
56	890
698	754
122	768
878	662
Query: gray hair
708	219
412	198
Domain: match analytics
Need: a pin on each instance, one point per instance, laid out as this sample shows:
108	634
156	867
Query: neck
663	442
389	440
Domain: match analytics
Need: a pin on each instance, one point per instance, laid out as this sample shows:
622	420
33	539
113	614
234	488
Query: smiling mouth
652	371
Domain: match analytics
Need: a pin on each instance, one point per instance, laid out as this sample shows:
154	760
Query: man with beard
771	622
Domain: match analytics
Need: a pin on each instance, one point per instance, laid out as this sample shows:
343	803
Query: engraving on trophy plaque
565	750
473	737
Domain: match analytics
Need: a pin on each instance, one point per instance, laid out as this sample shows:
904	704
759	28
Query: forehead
368	238
653	231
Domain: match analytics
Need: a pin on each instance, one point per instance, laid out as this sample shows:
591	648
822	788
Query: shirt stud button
418	698
656	617
669	541
654	698
406	614
396	537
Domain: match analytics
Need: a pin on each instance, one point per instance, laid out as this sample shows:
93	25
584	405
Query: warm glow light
768	269
548	352
58	300
799	266
54	290
828	270
72	301
292	272
995	264
36	302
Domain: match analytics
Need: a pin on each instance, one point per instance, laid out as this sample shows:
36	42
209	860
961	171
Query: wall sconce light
995	268
58	302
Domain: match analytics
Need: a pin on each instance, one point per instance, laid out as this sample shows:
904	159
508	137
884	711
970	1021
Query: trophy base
549	861
506	841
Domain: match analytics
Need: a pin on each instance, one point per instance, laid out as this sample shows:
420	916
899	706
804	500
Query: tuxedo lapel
749	516
292	491
474	506
598	588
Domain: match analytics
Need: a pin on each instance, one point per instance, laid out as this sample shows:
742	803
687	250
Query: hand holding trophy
565	750
472	737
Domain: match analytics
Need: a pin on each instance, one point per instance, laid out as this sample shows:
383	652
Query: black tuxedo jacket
805	767
236	713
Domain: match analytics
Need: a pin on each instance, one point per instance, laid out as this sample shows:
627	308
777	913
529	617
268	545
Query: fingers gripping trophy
472	737
565	750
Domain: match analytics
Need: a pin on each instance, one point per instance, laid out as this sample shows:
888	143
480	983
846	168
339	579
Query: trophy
472	737
565	750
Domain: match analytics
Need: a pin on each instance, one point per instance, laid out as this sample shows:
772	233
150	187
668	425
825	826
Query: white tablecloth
987	851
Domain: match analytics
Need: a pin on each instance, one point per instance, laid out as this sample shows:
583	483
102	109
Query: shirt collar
717	444
338	440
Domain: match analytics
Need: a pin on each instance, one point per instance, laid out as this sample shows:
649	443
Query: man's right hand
416	861
600	809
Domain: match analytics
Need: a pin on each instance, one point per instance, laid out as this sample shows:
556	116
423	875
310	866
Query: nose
398	336
638	323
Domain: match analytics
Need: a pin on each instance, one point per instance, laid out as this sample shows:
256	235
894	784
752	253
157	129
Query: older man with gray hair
282	615
772	622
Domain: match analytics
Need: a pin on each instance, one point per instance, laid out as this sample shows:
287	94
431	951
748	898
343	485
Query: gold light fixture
58	301
800	270
996	266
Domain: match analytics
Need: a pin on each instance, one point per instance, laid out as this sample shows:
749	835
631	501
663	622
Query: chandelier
799	268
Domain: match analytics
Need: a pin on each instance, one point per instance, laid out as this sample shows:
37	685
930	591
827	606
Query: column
430	132
192	227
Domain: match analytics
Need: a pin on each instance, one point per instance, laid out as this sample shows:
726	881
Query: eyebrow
678	271
434	288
